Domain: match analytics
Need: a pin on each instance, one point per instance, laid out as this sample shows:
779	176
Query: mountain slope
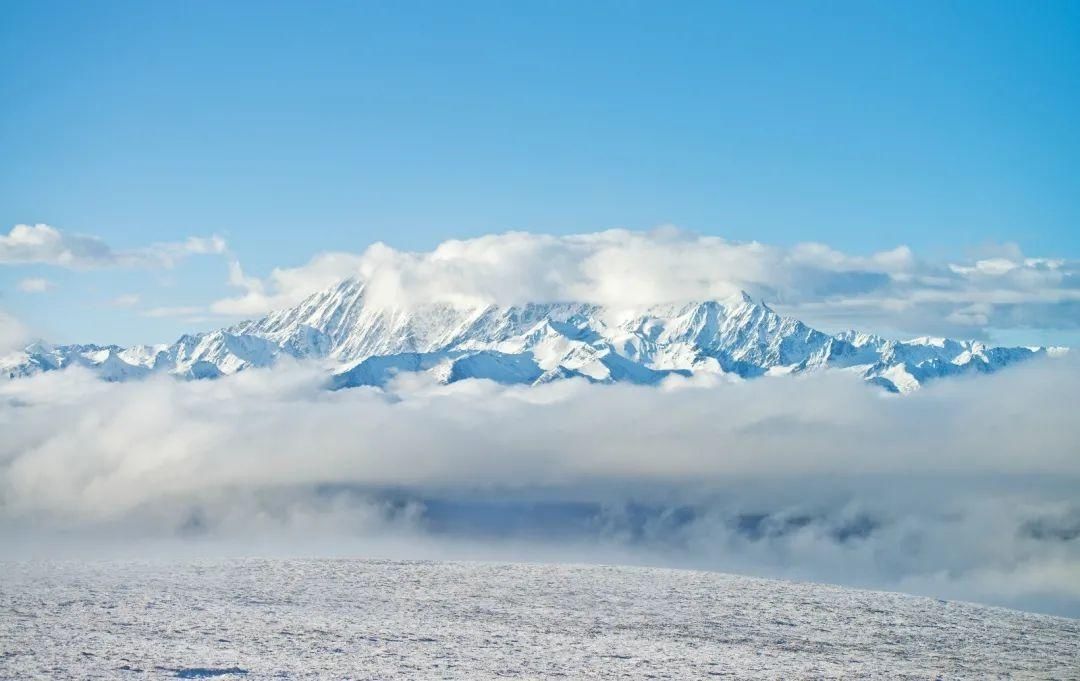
527	344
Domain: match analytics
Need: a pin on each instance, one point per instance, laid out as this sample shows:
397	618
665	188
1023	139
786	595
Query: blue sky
295	128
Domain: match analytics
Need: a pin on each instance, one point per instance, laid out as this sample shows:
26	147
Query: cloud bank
892	290
963	490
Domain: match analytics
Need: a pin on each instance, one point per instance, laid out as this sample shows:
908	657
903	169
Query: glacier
363	344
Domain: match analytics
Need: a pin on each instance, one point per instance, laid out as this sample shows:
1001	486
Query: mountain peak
740	298
529	343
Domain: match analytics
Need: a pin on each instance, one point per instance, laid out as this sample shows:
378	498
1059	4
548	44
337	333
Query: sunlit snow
262	619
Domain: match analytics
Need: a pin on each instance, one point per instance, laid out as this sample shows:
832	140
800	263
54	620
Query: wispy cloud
125	300
173	311
35	285
43	244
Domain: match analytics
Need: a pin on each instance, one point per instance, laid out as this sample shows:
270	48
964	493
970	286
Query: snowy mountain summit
528	344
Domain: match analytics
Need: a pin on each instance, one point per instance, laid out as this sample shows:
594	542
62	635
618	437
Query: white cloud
956	490
43	244
125	300
13	334
892	290
35	285
172	311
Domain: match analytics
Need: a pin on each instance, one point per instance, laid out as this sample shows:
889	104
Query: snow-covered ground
257	619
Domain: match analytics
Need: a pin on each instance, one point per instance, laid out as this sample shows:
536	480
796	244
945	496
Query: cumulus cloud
43	244
965	489
892	290
35	285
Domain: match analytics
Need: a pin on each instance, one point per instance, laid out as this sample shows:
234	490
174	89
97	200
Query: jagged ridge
532	343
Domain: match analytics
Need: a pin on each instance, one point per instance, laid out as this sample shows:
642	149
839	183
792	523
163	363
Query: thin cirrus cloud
35	285
172	311
892	289
126	300
46	245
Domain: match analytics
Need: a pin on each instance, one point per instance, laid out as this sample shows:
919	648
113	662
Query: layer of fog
966	489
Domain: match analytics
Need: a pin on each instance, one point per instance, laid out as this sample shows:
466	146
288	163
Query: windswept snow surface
282	619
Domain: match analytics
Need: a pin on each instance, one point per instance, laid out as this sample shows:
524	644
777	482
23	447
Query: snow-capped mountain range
528	344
